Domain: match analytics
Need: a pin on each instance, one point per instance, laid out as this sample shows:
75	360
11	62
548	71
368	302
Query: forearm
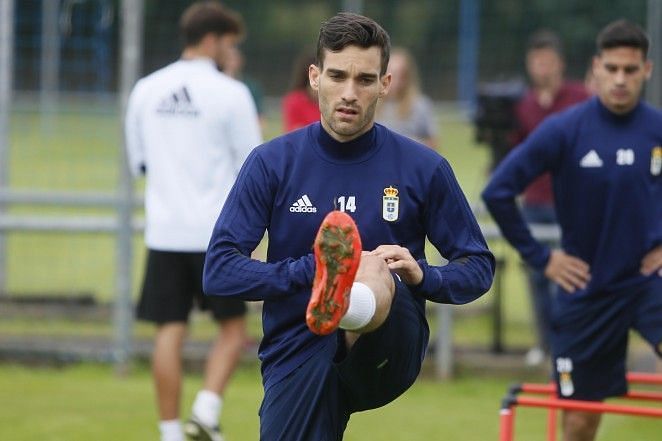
229	273
462	281
517	233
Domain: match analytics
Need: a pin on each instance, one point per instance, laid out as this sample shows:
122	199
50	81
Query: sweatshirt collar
202	61
356	150
617	117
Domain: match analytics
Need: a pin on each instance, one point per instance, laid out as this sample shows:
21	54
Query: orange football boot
337	256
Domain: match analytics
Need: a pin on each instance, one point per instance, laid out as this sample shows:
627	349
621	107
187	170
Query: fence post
50	60
443	357
131	24
654	29
6	71
497	307
468	50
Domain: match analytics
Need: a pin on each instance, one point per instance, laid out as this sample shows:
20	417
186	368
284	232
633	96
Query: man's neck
195	52
344	138
546	94
619	111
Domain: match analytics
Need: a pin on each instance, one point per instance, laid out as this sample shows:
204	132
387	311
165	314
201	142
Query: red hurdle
552	403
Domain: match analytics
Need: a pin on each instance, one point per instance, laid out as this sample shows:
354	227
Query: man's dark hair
202	18
545	39
349	29
622	33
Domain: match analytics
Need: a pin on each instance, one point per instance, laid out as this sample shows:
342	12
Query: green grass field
88	402
77	150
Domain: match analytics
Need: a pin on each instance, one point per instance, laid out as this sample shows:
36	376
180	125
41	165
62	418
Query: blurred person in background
233	66
589	79
188	129
549	93
299	105
405	109
605	156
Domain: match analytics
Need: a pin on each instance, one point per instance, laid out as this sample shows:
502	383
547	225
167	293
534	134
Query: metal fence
67	200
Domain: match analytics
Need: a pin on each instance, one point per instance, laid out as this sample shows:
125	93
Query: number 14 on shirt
345	203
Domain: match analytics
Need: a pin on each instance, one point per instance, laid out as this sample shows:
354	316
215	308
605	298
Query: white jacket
191	127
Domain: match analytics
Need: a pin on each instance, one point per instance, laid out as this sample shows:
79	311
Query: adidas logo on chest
624	157
178	103
591	160
303	205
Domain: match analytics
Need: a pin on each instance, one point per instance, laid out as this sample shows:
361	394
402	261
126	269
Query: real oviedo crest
656	161
390	204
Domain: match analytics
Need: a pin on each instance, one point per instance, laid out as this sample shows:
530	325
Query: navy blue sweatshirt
289	184
607	189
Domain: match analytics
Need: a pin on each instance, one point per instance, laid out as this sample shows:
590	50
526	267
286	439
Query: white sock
362	306
207	407
171	430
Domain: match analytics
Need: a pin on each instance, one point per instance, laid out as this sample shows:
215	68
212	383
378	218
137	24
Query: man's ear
596	63
385	81
314	77
648	69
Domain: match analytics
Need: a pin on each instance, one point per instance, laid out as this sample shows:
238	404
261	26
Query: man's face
233	62
397	67
544	66
225	44
348	87
620	74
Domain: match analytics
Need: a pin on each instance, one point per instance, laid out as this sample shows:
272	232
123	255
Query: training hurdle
553	404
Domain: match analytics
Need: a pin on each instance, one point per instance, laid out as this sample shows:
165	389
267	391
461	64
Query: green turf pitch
88	402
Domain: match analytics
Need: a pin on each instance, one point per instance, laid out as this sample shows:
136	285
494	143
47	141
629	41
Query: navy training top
606	174
289	184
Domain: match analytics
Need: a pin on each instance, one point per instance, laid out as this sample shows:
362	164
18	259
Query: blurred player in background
344	331
549	93
405	109
605	157
188	129
299	106
233	66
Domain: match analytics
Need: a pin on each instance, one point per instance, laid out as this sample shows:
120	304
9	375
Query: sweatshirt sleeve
243	126
539	153
132	136
453	230
229	271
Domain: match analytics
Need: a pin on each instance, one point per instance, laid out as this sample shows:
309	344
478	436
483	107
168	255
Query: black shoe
196	430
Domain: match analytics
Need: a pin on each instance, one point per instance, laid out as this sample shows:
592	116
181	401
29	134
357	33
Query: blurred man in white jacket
188	129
